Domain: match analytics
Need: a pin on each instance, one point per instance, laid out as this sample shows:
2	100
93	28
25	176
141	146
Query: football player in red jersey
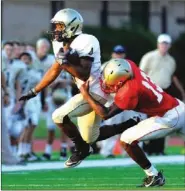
134	90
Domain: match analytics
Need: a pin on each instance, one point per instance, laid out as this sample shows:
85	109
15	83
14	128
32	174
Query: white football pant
157	127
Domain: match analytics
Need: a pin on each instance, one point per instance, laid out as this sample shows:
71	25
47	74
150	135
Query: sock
24	149
152	171
48	149
14	149
137	154
20	149
107	131
28	147
63	145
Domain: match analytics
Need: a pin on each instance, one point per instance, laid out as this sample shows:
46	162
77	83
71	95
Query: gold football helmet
115	73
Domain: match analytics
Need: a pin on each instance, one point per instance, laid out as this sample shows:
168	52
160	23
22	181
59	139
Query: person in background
8	156
160	66
31	109
119	51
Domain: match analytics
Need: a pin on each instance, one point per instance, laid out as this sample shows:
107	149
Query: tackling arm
81	70
101	110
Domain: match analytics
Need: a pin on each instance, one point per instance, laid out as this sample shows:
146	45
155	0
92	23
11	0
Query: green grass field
97	178
118	178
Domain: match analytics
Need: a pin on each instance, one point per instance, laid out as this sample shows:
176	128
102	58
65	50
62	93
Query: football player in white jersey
32	108
78	54
13	69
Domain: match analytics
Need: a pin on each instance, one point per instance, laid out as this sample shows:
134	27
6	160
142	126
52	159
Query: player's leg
130	144
127	119
75	107
51	128
32	111
63	145
155	127
7	155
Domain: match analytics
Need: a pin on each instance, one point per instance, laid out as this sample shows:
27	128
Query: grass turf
117	178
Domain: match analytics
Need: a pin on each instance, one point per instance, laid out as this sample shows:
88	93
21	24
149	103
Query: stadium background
134	24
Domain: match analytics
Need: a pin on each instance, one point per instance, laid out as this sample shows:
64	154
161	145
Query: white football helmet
67	24
115	73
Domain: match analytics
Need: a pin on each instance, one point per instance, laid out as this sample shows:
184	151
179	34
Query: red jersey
142	95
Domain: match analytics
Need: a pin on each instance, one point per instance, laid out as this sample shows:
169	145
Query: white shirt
160	68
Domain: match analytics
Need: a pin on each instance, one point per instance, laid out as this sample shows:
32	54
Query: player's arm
101	110
48	78
80	70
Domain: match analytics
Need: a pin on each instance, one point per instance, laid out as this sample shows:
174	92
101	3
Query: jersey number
156	92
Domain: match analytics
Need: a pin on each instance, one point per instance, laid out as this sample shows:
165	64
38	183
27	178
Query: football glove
32	93
63	58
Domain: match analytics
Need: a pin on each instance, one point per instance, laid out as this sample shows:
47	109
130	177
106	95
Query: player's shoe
45	157
63	154
31	157
78	156
151	181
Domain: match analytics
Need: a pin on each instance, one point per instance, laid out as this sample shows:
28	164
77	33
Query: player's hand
61	57
32	93
84	89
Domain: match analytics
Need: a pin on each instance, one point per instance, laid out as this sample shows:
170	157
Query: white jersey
29	78
86	45
159	68
13	72
44	64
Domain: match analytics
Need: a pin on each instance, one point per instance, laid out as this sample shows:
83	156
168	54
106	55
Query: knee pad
126	139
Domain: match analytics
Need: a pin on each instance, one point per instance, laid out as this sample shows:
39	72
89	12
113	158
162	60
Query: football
73	57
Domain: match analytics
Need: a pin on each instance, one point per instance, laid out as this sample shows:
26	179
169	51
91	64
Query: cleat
152	181
63	154
31	157
45	157
78	156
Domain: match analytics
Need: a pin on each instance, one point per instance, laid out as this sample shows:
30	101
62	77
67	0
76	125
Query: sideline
176	159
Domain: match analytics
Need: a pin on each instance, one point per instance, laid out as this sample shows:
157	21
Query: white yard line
177	159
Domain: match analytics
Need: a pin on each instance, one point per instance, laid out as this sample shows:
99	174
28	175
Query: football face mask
59	33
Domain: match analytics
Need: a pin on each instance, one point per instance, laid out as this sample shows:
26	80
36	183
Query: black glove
32	93
64	58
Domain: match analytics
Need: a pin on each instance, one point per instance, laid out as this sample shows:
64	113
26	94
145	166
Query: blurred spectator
161	66
119	52
7	54
17	49
31	108
7	155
